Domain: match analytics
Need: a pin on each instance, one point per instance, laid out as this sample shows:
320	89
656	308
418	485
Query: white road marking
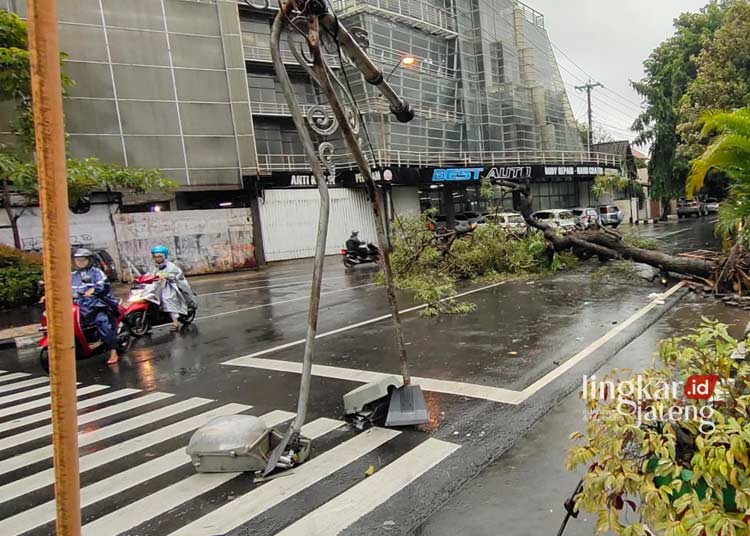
14	376
98	434
83	404
102	457
262	498
487	392
320	427
360	324
674	233
20	385
42	431
583	354
484	392
42	402
345	509
25	394
280	285
117	483
162	501
280	302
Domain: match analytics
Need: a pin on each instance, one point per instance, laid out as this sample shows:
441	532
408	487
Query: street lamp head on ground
405	60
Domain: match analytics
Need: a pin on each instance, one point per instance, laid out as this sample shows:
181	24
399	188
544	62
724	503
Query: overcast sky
609	39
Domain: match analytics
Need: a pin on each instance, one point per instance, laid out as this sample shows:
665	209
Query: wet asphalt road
520	332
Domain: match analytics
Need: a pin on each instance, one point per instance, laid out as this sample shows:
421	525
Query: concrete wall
200	241
92	230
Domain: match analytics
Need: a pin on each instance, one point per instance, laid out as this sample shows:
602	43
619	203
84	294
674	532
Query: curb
647	221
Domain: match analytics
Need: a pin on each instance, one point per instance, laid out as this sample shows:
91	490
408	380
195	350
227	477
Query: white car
586	217
510	221
712	205
562	218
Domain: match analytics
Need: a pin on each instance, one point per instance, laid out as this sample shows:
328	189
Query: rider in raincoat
176	293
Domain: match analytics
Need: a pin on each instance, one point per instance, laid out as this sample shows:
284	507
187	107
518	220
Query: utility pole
588	88
46	91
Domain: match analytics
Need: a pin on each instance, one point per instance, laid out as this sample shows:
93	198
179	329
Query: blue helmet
160	250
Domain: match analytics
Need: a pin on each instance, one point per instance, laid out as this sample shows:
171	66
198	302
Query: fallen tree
724	273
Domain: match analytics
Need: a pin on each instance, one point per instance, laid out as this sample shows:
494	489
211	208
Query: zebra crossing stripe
102	489
14	376
257	501
42	402
83	404
42	431
320	427
344	510
170	497
97	459
25	394
40	454
20	385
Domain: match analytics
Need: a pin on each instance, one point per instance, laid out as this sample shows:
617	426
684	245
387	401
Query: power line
639	106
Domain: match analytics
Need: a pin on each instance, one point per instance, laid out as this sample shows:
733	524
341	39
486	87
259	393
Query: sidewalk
524	490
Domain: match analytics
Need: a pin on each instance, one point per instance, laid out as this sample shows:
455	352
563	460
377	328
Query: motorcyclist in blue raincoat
97	305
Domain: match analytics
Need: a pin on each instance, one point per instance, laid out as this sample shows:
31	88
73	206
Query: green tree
670	69
722	80
17	171
729	152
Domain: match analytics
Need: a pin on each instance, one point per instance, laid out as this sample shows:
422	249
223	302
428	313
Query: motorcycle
87	341
354	257
144	308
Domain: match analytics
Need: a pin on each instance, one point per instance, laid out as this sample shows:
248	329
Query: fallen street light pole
46	91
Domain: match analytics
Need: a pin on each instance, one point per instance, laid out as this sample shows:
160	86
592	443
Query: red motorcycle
144	307
88	343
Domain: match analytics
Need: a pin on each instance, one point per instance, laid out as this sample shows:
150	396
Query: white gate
289	221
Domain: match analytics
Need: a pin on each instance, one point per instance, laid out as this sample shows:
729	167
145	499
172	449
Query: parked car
690	207
586	217
464	222
712	205
561	218
510	221
610	215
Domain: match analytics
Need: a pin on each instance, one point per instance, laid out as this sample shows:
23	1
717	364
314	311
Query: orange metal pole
46	90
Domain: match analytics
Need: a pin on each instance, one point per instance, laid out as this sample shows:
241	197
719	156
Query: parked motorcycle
353	257
144	309
87	341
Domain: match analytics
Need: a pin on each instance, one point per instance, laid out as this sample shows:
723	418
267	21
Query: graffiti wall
200	241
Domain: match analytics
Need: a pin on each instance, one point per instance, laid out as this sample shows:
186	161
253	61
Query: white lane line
496	394
484	392
87	438
280	285
25	394
102	457
260	499
360	324
83	404
674	233
117	483
320	427
162	501
583	354
20	385
14	376
28	405
280	302
43	402
345	509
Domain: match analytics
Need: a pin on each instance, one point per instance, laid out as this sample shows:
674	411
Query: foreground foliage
679	476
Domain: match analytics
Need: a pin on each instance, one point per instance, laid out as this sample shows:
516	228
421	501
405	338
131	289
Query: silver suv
610	215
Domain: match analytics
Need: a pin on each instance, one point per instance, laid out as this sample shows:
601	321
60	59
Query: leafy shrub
678	475
20	274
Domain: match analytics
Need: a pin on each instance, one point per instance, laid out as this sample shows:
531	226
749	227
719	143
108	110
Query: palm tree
729	153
